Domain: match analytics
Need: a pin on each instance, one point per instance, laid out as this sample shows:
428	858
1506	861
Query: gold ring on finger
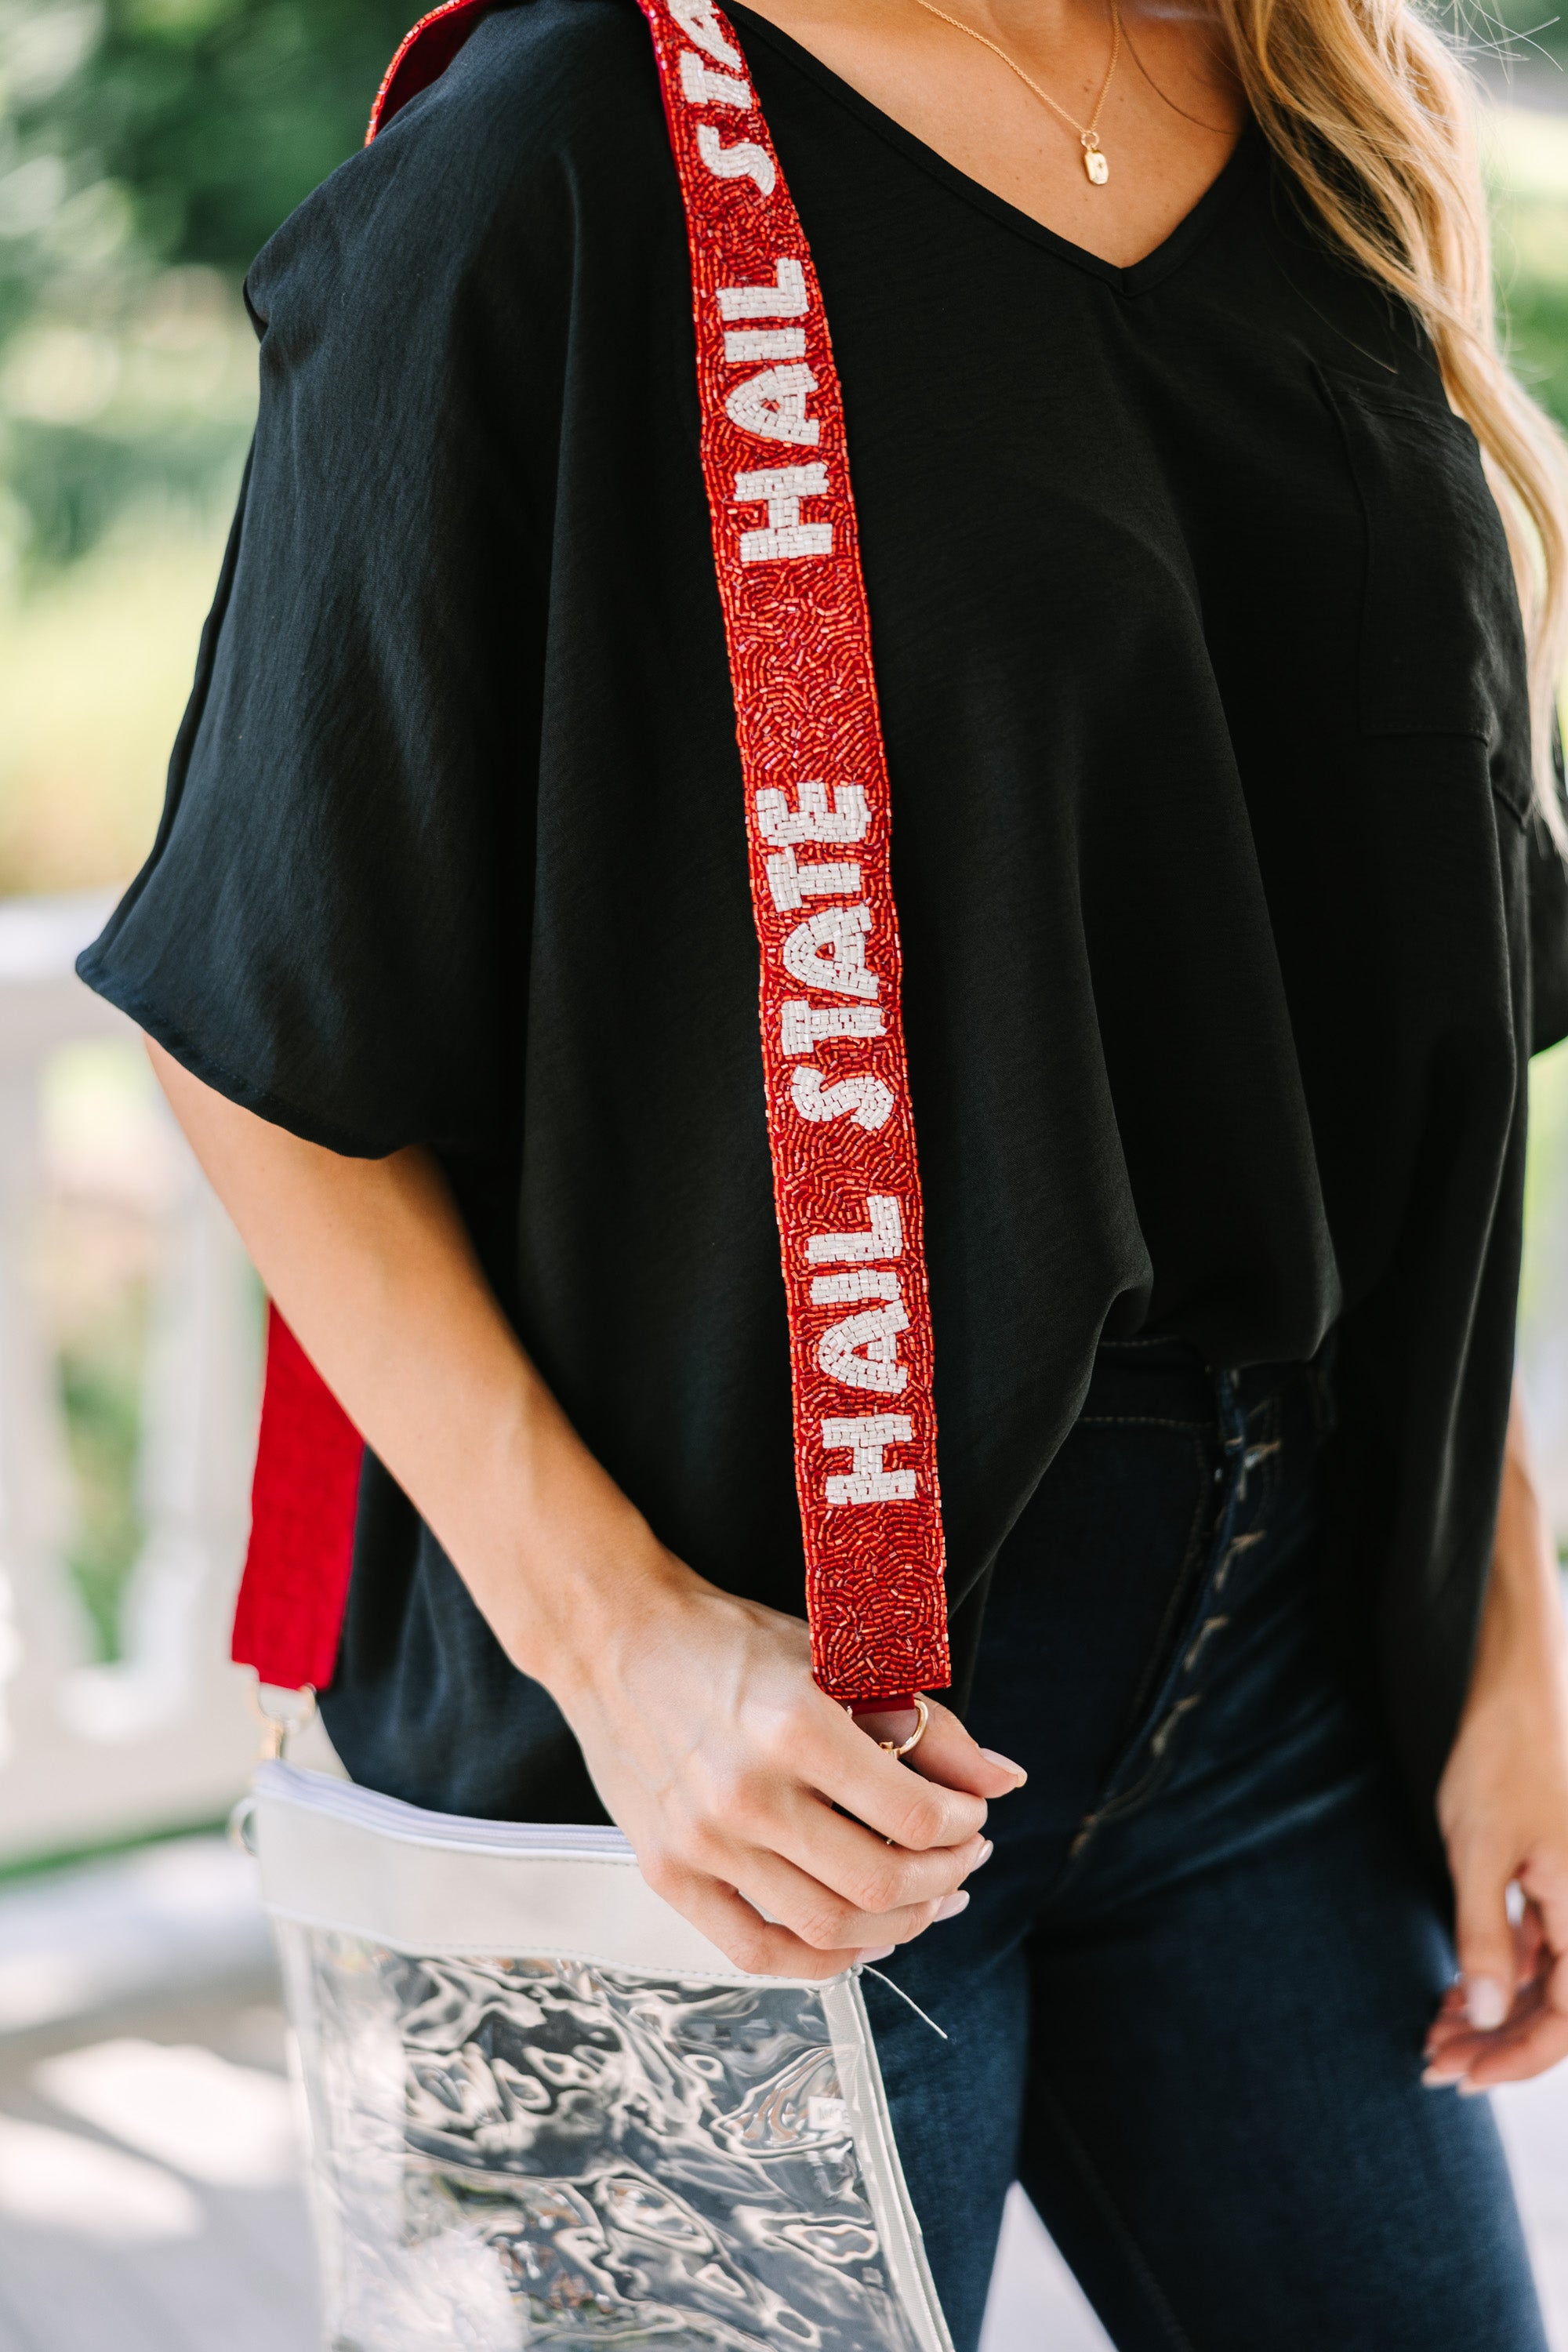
905	1747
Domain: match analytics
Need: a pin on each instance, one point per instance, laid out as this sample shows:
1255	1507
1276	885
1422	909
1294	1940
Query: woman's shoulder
550	105
532	75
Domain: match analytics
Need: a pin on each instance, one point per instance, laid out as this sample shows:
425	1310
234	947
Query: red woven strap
302	1505
840	1126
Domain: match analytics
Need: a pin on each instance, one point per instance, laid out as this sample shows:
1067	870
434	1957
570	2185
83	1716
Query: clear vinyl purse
544	2110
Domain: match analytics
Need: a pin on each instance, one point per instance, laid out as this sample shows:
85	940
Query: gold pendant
1095	164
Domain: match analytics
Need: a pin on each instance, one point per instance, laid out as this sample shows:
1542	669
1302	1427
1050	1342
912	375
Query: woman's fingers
852	1864
947	1753
1450	2025
760	1947
824	1747
1487	1995
947	1759
1510	2059
1483	1933
1532	1945
1534	2038
772	1917
824	1920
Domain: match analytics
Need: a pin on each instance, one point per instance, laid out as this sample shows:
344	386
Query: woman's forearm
369	1264
752	1801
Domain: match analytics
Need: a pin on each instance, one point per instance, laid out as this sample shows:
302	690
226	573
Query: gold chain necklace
1094	162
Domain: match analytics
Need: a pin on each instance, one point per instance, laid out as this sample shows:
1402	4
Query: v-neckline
1134	278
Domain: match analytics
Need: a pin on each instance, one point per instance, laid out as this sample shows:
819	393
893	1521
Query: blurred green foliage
1537	315
213	116
148	148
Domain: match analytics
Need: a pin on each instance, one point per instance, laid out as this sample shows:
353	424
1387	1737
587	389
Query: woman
1225	852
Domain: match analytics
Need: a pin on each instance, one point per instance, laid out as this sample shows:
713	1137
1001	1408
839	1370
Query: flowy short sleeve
333	926
1549	928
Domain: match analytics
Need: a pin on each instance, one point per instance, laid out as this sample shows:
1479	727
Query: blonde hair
1374	116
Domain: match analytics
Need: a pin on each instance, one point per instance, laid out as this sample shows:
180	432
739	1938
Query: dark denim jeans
1187	2000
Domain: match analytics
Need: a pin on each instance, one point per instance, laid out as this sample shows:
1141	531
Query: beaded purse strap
840	1125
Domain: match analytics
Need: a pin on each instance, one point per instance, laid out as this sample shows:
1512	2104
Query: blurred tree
218	115
147	148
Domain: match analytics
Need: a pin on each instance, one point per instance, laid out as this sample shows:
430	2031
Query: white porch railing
91	1752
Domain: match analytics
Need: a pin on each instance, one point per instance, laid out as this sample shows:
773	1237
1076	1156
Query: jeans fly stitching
1258	1442
1153	1729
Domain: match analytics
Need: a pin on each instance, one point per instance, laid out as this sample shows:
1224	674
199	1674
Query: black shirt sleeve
1548	925
333	926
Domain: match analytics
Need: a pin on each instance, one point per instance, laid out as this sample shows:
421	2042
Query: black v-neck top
1227	924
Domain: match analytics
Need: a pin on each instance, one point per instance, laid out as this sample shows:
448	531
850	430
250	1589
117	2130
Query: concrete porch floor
148	2195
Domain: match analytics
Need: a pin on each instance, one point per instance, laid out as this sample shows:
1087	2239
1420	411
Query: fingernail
1468	2090
1439	2078
875	1952
1486	2003
986	1851
1005	1764
951	1905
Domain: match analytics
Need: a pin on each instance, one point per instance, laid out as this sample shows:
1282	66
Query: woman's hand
741	1788
1503	1809
745	1793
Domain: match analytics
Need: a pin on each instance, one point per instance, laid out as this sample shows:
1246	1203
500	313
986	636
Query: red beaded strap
846	1182
423	56
840	1126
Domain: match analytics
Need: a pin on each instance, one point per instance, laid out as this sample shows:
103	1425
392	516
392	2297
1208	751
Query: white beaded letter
783	300
792	884
883	1238
700	86
862	1353
860	1282
764	343
744	160
773	407
865	1099
782	488
828	951
698	21
866	1439
801	1024
811	819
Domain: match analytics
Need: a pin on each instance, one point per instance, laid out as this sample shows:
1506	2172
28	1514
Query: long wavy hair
1374	115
